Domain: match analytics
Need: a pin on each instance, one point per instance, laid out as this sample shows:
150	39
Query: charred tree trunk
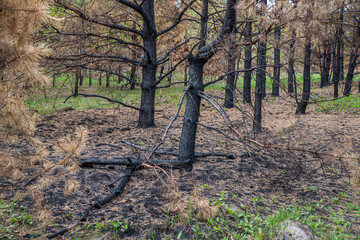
337	68
107	78
353	58
260	80
192	109
196	68
81	78
148	87
54	80
301	109
230	78
291	70
76	88
99	79
325	72
247	63
276	80
90	78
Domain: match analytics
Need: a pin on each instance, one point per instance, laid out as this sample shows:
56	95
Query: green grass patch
244	223
349	104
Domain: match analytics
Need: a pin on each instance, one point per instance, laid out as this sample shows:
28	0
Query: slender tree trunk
90	78
99	79
276	80
352	63
81	78
291	71
325	76
54	80
260	80
337	69
301	109
247	63
149	70
196	68
192	109
76	88
230	78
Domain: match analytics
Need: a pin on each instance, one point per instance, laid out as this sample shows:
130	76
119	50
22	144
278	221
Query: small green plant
311	189
66	215
335	200
256	200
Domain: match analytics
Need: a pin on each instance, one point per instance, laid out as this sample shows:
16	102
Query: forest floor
247	191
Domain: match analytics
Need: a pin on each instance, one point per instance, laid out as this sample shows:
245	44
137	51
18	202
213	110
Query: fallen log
115	192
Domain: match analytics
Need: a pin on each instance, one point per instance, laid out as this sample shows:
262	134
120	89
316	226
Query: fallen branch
106	98
131	161
227	155
115	192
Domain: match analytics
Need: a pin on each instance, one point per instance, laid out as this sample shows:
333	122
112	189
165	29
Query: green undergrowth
349	104
51	98
326	220
15	220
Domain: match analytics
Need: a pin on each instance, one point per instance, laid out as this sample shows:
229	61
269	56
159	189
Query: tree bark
291	71
276	79
353	58
90	78
260	80
107	78
230	78
337	68
76	88
196	69
146	115
247	63
99	79
192	109
301	109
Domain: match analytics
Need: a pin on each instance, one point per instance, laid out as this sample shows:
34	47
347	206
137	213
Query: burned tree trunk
247	63
192	110
230	79
337	68
196	68
291	70
148	85
306	79
76	87
260	79
276	78
353	58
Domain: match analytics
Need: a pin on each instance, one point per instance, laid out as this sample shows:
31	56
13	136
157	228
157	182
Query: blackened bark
276	79
90	78
230	78
99	79
54	80
337	68
81	78
325	68
301	109
76	87
260	84
193	99
247	63
352	63
186	74
204	21
192	109
291	71
148	87
260	91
